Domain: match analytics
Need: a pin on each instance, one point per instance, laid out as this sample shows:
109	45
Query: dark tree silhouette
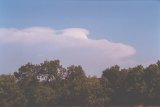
49	84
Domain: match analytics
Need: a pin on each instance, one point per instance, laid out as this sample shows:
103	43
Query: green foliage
49	84
10	94
75	80
43	96
95	95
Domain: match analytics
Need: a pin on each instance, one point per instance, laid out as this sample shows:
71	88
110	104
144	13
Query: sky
95	34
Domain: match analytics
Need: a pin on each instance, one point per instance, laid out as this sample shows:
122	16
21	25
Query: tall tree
28	81
136	86
152	79
114	79
75	78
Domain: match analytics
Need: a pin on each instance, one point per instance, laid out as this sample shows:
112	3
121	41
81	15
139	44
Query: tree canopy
49	84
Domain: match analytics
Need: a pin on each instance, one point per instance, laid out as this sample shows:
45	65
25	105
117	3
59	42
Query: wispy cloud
71	46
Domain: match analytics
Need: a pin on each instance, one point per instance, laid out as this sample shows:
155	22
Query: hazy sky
95	34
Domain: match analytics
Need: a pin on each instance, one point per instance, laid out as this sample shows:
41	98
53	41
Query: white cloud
71	46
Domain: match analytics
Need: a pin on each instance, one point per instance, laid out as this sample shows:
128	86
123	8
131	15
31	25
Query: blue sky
132	23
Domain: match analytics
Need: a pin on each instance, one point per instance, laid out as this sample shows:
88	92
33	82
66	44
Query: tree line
49	84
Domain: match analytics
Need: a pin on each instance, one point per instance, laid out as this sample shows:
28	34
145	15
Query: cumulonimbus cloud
72	46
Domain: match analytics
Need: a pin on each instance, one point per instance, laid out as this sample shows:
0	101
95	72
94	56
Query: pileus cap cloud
78	33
